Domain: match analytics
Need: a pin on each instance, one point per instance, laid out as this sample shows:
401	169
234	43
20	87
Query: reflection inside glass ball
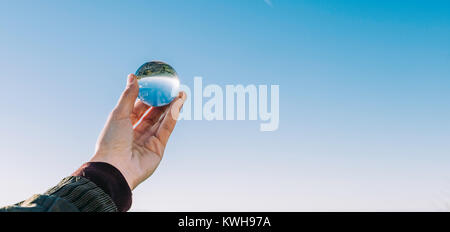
158	83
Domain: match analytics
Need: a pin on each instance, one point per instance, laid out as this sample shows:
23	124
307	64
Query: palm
148	141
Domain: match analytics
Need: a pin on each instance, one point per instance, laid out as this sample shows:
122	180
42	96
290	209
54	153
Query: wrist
110	180
119	165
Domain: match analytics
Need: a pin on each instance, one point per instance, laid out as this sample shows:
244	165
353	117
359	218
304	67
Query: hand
136	152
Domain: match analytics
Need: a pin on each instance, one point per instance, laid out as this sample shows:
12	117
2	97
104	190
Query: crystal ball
158	83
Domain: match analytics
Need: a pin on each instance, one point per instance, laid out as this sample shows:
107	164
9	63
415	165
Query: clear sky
364	99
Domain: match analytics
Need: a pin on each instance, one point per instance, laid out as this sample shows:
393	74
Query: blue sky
364	99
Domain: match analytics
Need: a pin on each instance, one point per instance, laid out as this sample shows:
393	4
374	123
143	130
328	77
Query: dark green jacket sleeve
94	187
72	194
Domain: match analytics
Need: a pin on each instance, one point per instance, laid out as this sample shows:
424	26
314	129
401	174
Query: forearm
94	187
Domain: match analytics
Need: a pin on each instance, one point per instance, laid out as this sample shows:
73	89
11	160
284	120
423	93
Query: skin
136	152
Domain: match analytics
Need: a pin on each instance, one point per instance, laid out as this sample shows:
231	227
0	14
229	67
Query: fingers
150	118
139	109
170	119
126	102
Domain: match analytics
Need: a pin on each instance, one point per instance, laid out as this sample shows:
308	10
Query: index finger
170	119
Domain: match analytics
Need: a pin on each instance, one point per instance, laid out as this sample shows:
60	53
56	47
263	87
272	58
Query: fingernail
130	79
183	96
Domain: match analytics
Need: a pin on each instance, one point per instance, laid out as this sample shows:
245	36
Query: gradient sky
364	99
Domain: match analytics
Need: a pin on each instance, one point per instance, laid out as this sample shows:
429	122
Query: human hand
136	152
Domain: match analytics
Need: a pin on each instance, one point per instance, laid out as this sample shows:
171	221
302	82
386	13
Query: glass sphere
158	83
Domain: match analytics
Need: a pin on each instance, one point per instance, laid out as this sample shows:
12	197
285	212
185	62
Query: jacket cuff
110	180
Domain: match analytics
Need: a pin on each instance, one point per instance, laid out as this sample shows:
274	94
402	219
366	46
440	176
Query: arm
123	159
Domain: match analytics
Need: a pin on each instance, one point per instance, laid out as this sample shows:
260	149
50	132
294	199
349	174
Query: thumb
128	98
